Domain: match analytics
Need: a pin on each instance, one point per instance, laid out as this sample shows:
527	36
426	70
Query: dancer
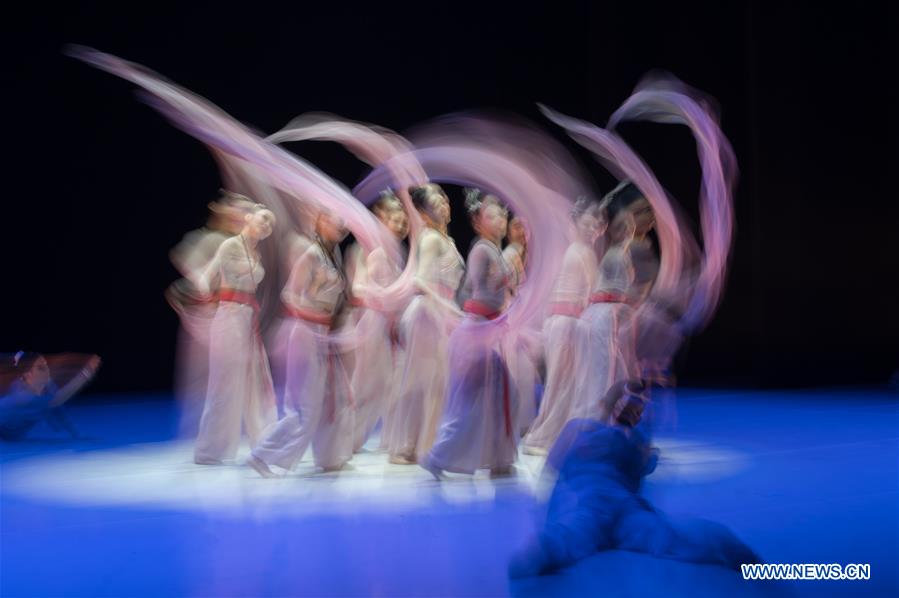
643	255
374	377
477	429
317	401
521	348
516	252
608	354
33	395
596	503
294	244
652	307
653	310
191	256
240	385
356	275
424	330
562	333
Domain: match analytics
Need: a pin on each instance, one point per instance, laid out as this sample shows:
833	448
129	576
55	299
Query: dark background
100	187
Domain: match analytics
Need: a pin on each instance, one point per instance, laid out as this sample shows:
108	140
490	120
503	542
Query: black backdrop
100	187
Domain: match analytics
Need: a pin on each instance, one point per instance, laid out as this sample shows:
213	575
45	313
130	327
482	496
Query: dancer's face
440	207
589	227
38	376
260	224
492	222
624	228
330	228
644	218
517	233
396	221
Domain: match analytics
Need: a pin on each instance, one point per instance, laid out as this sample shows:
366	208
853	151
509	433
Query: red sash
242	297
603	297
566	308
478	308
316	317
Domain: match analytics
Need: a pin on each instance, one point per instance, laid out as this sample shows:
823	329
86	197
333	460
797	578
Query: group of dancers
344	362
587	300
445	352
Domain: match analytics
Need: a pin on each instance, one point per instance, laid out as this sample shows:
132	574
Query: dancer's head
489	217
228	211
589	219
631	214
433	204
32	369
623	228
329	227
644	217
258	222
390	212
517	232
624	402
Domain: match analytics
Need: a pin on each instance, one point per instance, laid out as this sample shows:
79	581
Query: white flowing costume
356	271
521	348
477	428
608	354
424	333
240	384
377	356
563	341
279	338
192	256
317	400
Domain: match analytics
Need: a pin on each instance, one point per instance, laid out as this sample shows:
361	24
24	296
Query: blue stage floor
801	476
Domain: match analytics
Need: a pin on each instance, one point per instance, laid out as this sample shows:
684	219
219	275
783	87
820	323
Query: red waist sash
242	297
603	297
566	308
316	317
479	308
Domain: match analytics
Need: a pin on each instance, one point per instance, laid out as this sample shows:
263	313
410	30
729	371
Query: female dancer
521	347
645	260
240	384
562	333
373	379
477	429
192	255
609	353
356	275
317	401
293	245
643	256
424	330
515	252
